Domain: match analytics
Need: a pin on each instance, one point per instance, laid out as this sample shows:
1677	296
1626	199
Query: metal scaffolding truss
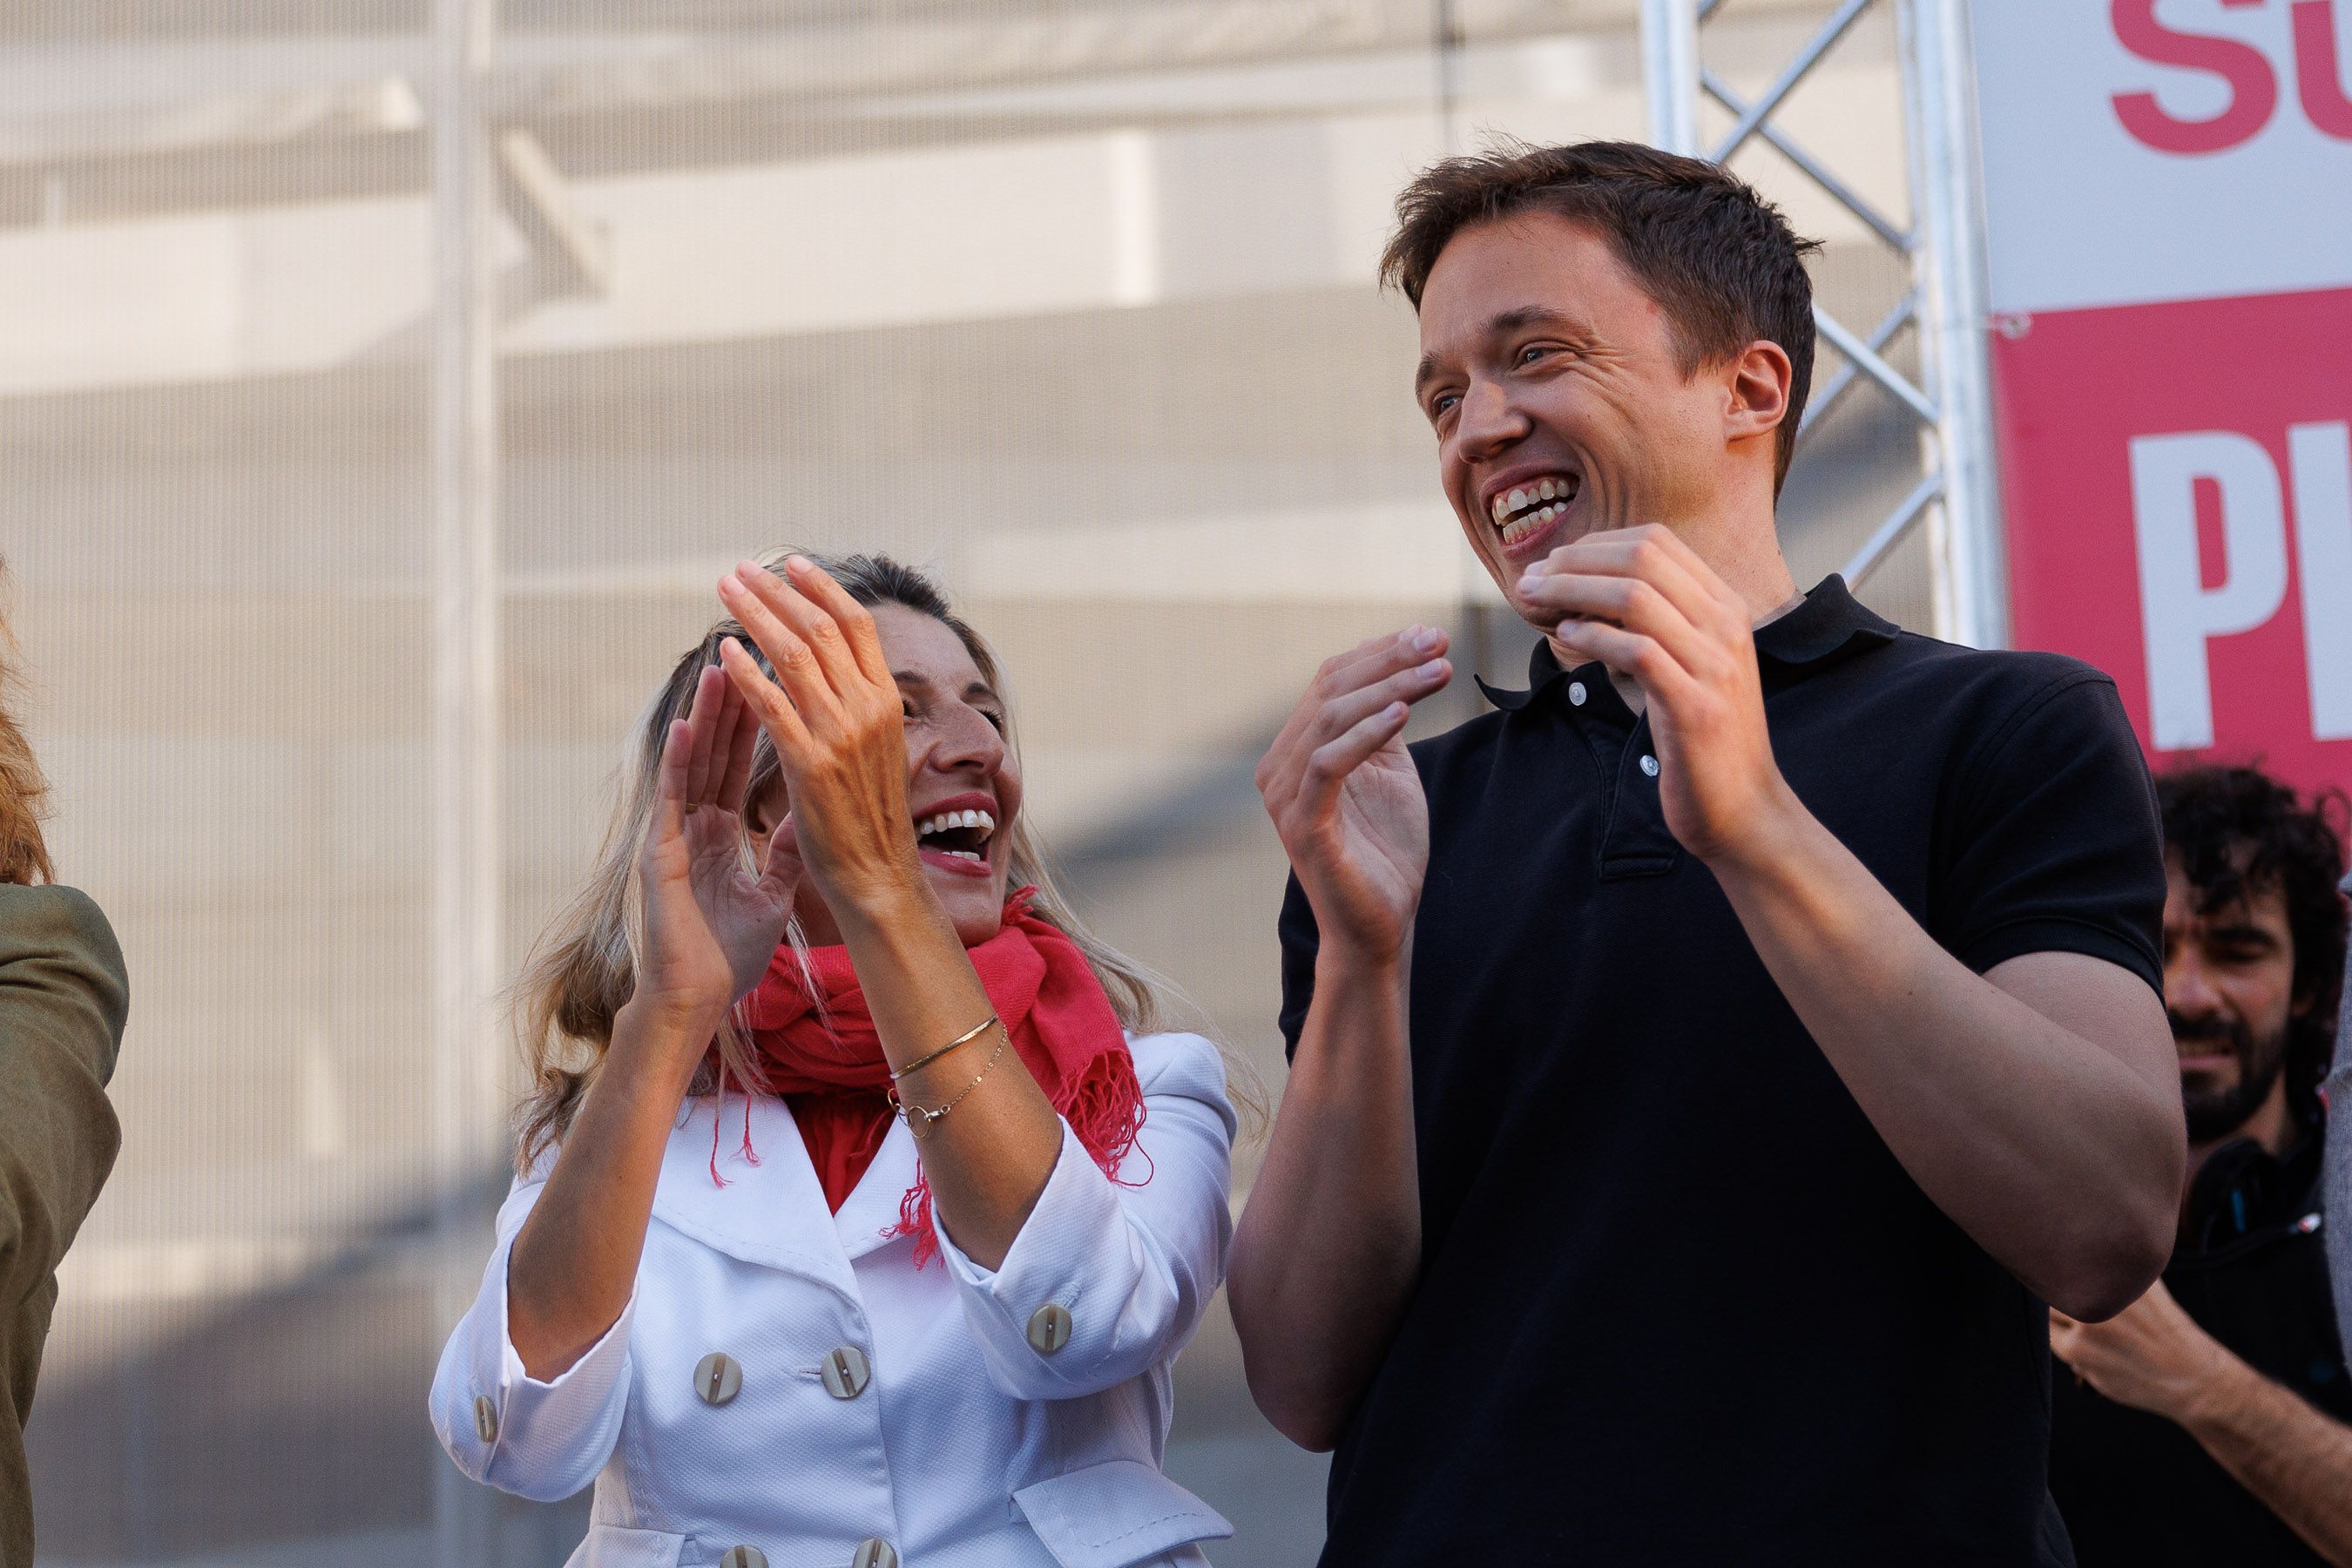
1957	497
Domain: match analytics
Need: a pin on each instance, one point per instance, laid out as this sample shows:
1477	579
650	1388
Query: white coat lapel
872	1209
771	1210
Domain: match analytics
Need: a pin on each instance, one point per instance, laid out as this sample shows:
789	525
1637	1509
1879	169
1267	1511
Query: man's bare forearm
1330	1242
2296	1459
2060	1152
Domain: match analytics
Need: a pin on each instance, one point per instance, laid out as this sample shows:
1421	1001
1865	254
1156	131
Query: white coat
958	1443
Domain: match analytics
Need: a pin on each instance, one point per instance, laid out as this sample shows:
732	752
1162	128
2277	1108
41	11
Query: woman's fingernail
1427	641
1430	671
800	563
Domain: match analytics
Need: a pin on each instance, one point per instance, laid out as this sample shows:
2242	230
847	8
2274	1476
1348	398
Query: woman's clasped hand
834	713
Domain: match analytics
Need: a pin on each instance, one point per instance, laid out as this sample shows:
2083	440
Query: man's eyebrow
1528	316
1502	325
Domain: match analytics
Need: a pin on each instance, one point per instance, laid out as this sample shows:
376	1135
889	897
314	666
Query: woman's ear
766	806
1761	378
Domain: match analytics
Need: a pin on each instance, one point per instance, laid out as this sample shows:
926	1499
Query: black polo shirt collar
1826	626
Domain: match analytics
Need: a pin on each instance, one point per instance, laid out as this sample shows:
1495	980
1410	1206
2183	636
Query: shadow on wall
281	1417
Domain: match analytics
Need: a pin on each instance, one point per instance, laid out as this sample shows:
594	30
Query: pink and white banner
2169	207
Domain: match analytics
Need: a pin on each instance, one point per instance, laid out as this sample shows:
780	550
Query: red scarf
822	1051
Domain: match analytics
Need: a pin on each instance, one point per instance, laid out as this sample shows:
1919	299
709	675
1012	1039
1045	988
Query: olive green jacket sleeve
63	999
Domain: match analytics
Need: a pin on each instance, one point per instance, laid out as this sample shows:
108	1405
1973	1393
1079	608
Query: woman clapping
868	1243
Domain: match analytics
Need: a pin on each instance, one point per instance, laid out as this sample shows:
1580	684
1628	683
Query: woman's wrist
674	1033
886	904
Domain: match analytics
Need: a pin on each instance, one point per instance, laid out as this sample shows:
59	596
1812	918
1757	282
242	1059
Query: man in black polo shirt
1706	1066
2207	1423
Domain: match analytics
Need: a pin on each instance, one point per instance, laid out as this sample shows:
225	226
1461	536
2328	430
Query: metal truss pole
1958	494
1670	73
1939	94
465	626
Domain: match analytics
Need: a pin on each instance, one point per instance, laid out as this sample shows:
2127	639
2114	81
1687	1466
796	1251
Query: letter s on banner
2178	612
2254	86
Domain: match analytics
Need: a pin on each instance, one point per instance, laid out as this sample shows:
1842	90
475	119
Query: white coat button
873	1552
846	1372
718	1378
1575	694
744	1557
485	1418
1650	767
1049	1327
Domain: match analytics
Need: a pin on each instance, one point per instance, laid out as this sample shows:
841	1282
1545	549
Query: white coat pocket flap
1113	1514
610	1546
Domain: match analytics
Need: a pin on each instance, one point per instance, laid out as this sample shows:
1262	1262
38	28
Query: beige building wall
1071	302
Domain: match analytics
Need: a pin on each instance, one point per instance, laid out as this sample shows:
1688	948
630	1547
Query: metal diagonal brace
1863	358
1790	148
535	195
1889	534
1880	337
1791	75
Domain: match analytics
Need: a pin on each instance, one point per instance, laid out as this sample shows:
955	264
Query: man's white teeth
1505	506
1515	532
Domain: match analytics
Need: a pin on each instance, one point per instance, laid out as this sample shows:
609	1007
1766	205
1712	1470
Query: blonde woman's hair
584	967
24	790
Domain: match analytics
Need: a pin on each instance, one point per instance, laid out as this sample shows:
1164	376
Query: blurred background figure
2207	1423
63	998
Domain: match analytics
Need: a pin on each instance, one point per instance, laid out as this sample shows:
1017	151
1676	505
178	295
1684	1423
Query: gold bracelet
930	1118
919	1063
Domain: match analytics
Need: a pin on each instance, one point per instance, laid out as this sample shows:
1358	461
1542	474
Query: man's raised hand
1643	603
1345	797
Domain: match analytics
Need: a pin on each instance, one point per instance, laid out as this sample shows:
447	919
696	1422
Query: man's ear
1759	383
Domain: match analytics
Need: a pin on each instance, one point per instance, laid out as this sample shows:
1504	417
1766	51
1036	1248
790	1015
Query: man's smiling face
1556	386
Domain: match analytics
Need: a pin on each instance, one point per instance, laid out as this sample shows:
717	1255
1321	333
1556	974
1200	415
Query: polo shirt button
744	1557
1650	766
1049	1328
485	1418
718	1378
873	1552
846	1372
1575	694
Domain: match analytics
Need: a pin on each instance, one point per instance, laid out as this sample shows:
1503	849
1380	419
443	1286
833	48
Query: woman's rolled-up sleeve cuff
1074	1291
503	1427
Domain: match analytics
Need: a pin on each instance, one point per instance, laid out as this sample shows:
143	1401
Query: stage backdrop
2168	202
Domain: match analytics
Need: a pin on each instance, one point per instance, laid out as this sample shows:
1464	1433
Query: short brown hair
24	856
1719	260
